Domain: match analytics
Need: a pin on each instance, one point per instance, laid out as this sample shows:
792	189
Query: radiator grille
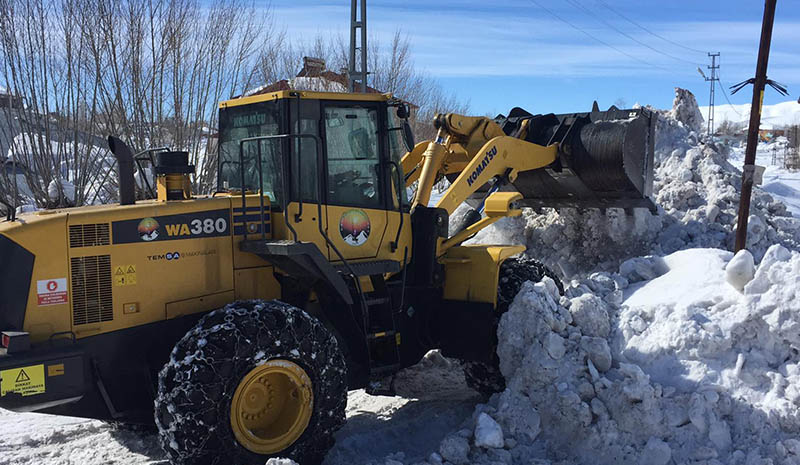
88	235
91	289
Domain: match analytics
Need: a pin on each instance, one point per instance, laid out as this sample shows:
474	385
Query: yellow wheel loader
246	315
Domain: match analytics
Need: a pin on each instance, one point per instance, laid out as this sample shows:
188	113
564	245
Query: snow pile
697	190
317	84
682	368
685	109
61	192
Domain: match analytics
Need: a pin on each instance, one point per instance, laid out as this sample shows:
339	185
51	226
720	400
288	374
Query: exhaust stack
124	156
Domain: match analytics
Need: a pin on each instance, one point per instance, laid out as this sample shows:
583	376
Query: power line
592	14
595	38
646	29
725	94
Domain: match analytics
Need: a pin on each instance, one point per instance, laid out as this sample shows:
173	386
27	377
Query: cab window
351	140
240	122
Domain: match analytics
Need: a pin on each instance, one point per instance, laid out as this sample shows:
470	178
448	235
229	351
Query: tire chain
197	384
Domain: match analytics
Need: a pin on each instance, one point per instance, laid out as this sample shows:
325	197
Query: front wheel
251	381
485	377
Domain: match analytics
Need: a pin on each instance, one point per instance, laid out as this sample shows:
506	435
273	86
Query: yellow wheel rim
272	406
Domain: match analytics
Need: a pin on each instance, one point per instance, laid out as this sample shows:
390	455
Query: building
314	77
9	100
766	132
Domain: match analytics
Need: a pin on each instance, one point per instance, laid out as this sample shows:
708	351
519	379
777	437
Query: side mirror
408	135
403	112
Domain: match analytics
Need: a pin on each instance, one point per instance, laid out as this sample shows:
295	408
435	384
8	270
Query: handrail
285	203
400	187
318	146
150	153
299	215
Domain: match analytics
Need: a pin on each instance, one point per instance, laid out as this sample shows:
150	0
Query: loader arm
501	156
478	150
598	159
462	145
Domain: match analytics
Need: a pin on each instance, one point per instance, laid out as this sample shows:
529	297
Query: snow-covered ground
781	183
776	115
432	400
665	348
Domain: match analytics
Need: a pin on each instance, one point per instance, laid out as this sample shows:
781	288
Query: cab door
305	210
355	176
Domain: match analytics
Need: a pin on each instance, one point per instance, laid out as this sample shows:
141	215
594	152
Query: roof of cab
287	94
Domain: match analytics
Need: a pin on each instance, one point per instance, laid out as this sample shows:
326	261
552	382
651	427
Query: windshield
241	122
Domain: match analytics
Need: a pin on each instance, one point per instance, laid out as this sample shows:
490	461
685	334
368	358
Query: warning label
25	381
52	291
125	275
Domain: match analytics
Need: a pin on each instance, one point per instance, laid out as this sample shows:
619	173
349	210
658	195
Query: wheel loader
238	321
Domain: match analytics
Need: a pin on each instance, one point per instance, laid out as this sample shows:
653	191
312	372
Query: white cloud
450	41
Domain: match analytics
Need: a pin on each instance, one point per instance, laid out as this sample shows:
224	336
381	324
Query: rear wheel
251	381
485	377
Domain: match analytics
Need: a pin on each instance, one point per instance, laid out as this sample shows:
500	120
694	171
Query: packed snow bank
697	190
692	371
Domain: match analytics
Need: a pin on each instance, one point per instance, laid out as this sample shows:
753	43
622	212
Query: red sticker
52	291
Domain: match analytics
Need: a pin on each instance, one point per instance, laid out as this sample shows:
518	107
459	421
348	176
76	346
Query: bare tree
150	71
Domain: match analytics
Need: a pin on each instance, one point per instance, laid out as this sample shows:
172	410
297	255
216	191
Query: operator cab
360	140
347	159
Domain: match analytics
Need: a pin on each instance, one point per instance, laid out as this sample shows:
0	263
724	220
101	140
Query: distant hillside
777	115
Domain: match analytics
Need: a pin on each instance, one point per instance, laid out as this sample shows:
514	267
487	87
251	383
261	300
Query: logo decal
197	225
148	229
354	227
479	169
173	256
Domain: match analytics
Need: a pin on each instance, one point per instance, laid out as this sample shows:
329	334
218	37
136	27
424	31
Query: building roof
313	76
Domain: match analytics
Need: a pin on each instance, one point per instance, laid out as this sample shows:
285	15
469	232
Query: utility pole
714	77
357	76
755	118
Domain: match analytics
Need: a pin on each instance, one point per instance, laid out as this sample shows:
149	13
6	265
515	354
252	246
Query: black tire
195	388
486	377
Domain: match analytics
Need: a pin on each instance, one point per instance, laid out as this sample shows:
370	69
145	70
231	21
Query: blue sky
502	54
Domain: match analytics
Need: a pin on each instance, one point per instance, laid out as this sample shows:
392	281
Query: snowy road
432	400
779	182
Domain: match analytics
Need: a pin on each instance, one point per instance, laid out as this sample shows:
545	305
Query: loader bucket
605	159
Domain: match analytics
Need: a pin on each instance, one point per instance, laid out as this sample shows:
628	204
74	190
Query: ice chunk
488	433
280	461
590	315
655	452
455	449
740	270
642	268
554	344
598	350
